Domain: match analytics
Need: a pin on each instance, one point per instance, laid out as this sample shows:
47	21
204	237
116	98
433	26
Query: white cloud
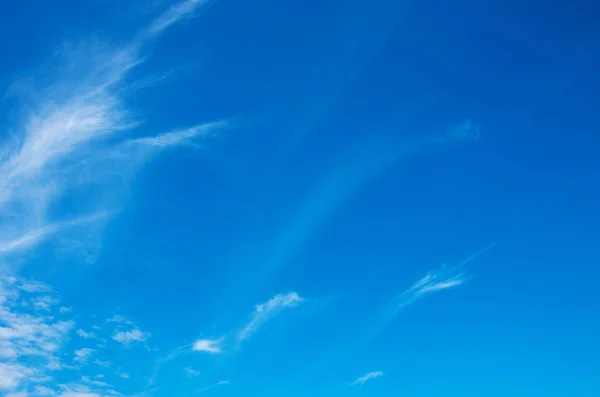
174	138
104	364
206	388
265	311
371	375
40	379
33	286
191	372
78	390
86	335
75	135
126	332
437	280
43	391
131	336
78	394
208	346
17	394
32	342
82	355
95	382
26	332
119	319
174	14
44	303
11	375
440	279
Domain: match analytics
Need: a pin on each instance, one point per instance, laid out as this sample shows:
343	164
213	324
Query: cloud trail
436	280
175	14
267	310
206	388
371	375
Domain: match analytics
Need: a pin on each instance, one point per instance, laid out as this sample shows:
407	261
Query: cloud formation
208	346
217	384
82	355
126	332
175	14
267	310
76	139
85	335
76	134
371	375
440	279
27	333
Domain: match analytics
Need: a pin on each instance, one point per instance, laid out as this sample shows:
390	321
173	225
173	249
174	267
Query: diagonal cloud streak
174	15
363	379
267	310
34	236
436	280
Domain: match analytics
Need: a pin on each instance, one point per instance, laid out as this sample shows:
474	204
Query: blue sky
324	198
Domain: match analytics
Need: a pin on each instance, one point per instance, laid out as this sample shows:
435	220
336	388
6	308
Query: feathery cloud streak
371	375
262	313
74	135
267	310
175	14
436	280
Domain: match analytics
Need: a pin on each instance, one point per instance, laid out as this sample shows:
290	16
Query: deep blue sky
365	145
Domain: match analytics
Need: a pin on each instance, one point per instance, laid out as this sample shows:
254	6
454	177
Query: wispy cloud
262	313
126	332
34	236
175	14
371	375
267	310
82	355
86	335
102	363
76	133
131	336
76	140
443	278
43	391
217	384
213	346
179	137
95	382
191	372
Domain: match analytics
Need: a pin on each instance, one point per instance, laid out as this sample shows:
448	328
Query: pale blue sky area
299	198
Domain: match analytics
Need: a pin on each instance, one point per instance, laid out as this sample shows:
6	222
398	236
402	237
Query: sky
299	198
